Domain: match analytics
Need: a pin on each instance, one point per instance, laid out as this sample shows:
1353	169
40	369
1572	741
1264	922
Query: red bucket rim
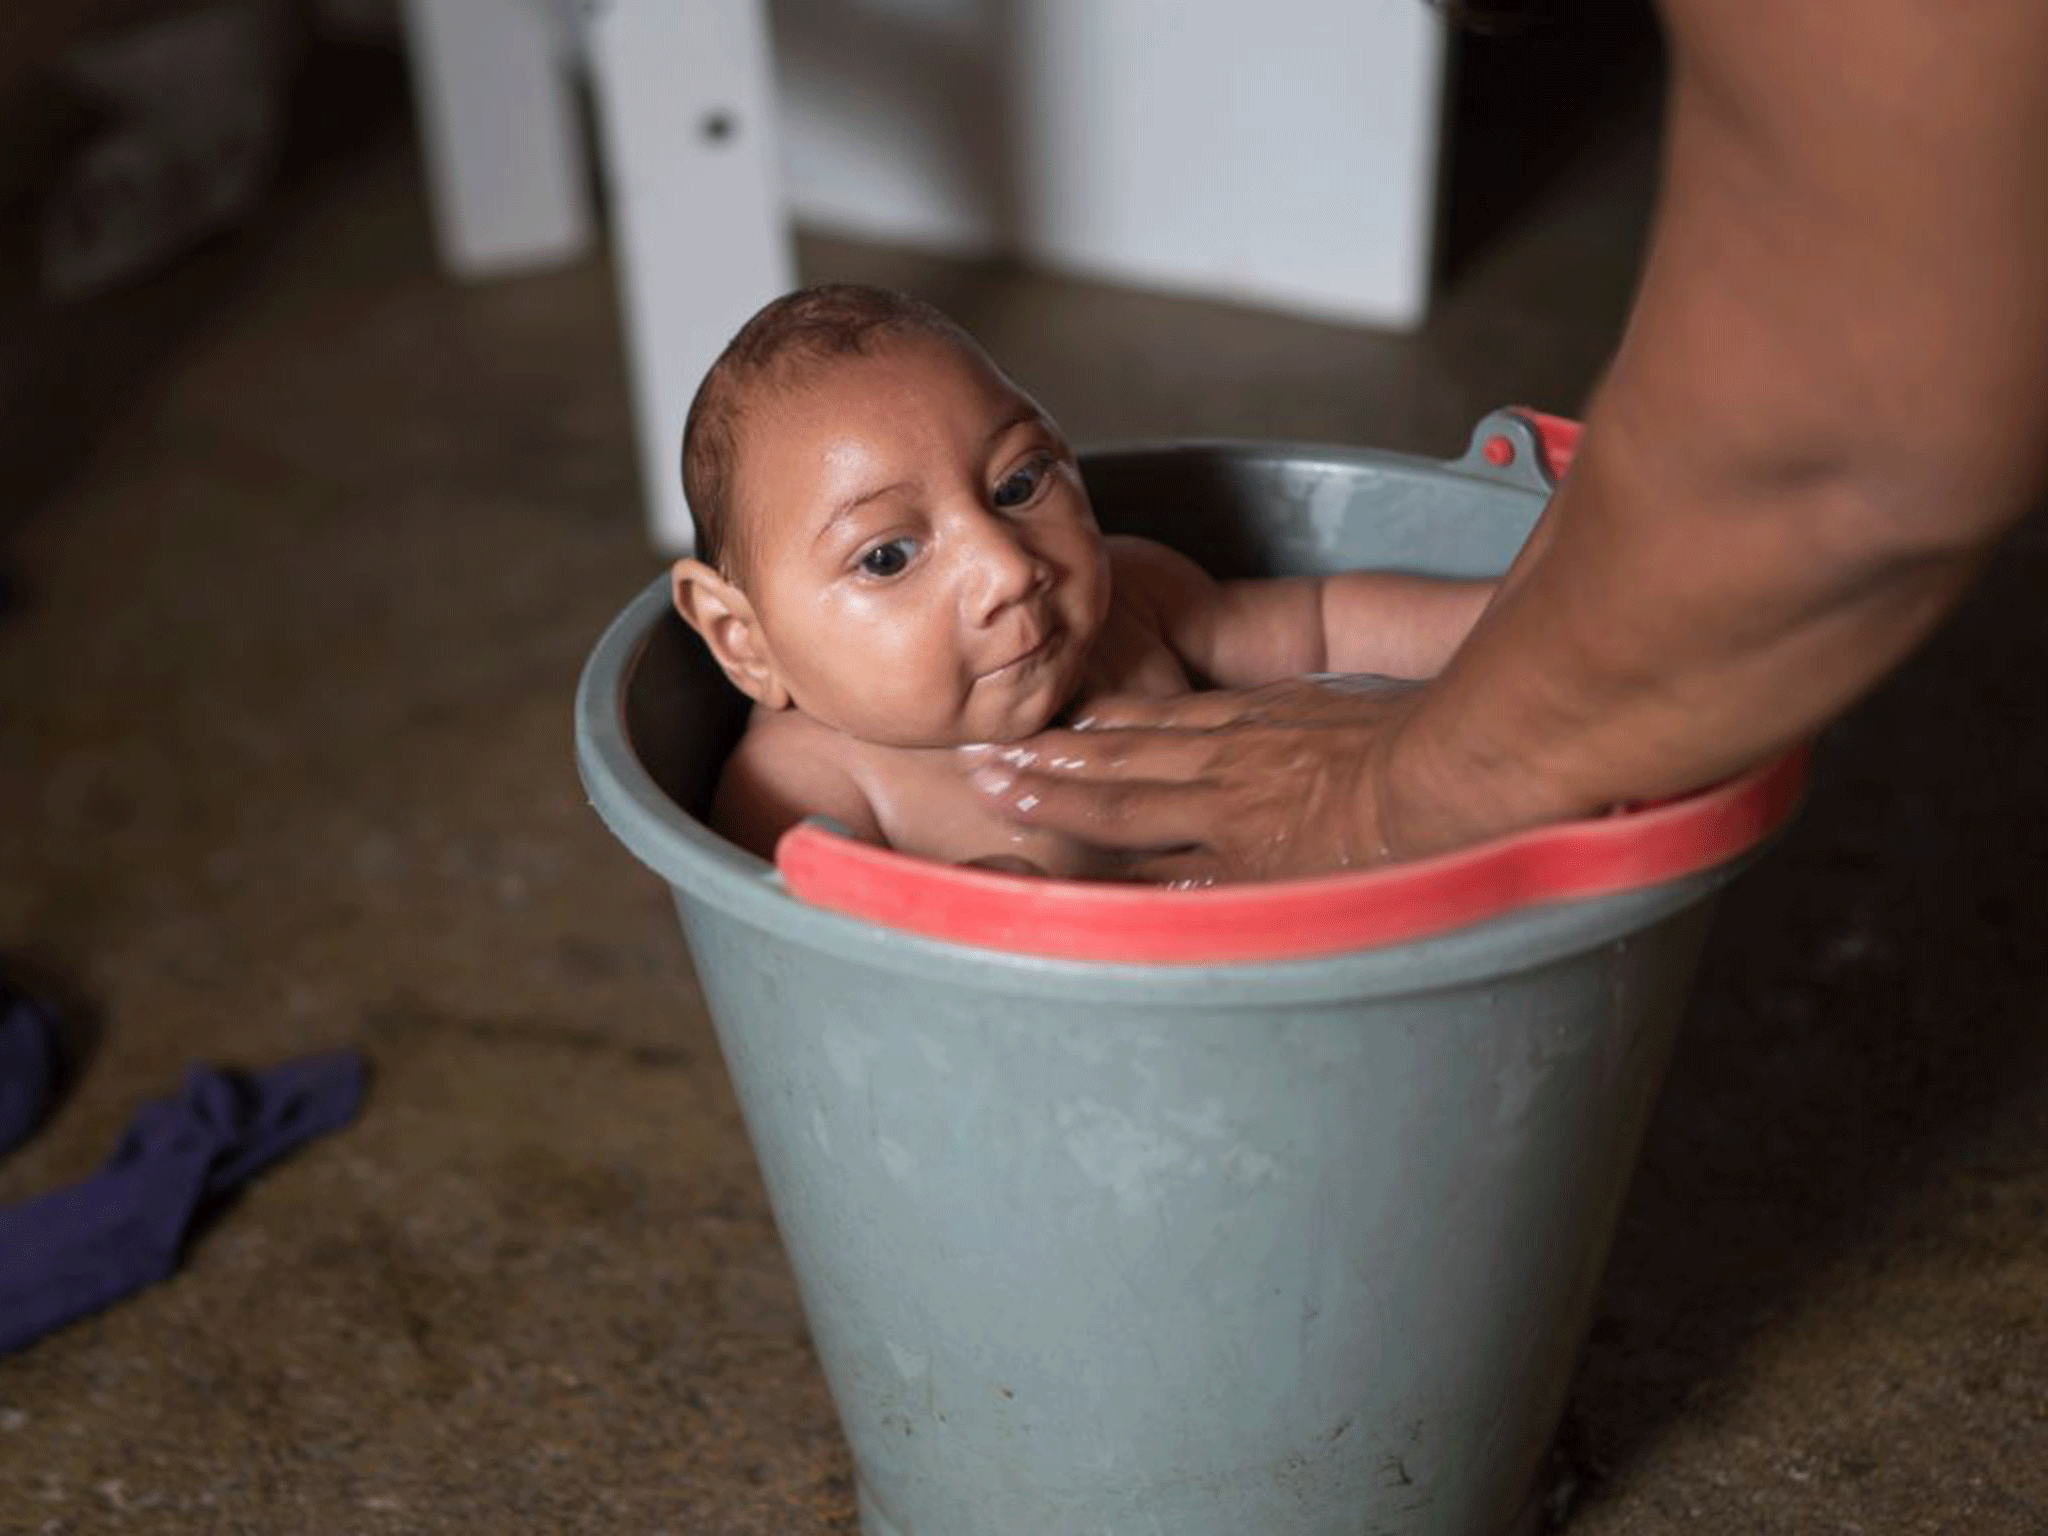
1300	918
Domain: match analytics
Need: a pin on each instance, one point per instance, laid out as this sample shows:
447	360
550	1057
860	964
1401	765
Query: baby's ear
720	612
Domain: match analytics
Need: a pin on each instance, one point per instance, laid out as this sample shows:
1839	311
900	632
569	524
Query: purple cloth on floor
77	1249
28	1066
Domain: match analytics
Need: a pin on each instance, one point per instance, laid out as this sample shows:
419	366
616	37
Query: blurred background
342	344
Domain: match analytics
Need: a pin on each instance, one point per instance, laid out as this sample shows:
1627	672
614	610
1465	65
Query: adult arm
1830	400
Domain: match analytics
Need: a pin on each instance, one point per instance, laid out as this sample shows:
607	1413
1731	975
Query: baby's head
891	536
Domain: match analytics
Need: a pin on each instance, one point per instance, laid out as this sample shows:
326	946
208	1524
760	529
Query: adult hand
1282	780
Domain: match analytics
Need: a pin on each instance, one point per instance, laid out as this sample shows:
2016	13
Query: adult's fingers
1130	755
1137	814
1280	787
1180	868
1183	712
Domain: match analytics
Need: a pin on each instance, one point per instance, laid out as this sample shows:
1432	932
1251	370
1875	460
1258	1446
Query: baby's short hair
800	329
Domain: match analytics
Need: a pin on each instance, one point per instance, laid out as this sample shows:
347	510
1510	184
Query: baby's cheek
946	710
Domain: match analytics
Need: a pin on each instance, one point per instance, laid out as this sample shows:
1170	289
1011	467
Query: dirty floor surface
306	545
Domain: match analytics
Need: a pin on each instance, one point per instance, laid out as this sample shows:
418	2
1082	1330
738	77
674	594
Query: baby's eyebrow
1023	416
853	504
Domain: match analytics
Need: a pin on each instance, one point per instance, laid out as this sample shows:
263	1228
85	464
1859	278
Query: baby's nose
1003	567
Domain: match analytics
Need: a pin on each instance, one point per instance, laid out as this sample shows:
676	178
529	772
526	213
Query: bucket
1271	1210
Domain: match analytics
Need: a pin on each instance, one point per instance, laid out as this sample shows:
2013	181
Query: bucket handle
1522	447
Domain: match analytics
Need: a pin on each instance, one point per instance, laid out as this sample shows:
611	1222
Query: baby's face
921	553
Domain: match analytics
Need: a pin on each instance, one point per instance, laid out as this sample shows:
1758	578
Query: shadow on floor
70	371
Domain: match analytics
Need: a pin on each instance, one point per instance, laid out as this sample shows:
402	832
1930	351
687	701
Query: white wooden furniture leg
686	111
504	147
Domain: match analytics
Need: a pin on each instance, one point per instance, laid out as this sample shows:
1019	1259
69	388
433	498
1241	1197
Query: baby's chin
1015	726
1023	726
1024	718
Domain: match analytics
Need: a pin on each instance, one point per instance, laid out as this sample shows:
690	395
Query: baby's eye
1020	485
887	559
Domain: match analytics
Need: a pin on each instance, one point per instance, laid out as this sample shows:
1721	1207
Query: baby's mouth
1025	658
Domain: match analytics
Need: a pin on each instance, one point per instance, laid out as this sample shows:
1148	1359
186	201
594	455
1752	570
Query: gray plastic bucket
1294	1248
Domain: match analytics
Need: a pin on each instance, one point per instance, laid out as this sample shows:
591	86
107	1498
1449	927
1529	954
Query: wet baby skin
920	570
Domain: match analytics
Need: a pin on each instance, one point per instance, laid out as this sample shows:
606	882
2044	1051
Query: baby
896	557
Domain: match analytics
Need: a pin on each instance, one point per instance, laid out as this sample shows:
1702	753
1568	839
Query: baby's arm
774	779
1396	624
1239	634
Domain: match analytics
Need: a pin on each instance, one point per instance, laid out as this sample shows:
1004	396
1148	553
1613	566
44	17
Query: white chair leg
686	113
504	148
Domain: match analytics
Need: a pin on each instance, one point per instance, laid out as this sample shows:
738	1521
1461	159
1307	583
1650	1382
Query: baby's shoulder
1153	579
772	732
1149	560
787	766
1162	592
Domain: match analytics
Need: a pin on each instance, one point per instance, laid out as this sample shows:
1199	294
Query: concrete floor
307	548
